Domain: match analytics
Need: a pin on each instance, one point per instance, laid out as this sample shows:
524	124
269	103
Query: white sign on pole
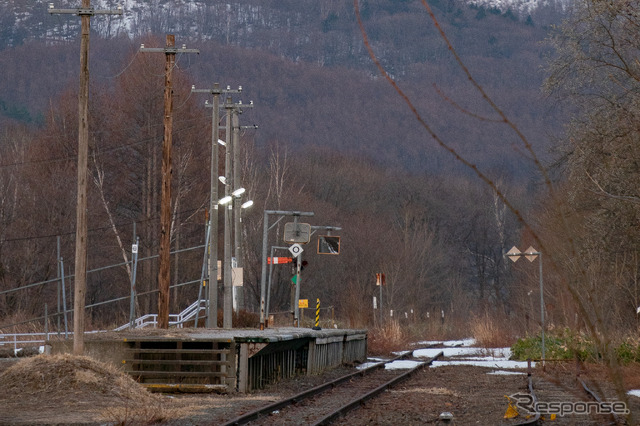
296	250
297	232
134	248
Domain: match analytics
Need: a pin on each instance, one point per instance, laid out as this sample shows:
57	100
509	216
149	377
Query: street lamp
530	254
237	194
216	91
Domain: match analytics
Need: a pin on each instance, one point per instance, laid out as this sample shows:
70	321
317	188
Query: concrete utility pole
164	276
228	284
232	194
237	202
80	281
212	307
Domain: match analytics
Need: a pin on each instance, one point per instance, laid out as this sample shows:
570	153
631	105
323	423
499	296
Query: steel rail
263	411
595	397
535	419
340	412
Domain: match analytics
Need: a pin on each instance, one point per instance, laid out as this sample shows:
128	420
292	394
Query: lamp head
225	200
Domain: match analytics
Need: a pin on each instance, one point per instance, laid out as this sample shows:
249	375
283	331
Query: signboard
328	244
296	250
297	232
237	279
303	303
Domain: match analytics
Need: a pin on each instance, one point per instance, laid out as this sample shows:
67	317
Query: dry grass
49	373
492	332
86	388
387	339
488	331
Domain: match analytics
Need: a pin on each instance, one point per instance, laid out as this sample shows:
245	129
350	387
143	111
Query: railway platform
223	360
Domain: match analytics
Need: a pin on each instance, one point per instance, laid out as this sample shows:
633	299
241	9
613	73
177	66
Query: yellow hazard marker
511	412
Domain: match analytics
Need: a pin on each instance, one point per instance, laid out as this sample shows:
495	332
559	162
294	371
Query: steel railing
18	340
176	320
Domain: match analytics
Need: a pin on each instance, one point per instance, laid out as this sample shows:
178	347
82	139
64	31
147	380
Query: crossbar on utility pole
85	11
164	269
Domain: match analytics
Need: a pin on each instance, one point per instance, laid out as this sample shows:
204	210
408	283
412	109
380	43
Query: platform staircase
191	312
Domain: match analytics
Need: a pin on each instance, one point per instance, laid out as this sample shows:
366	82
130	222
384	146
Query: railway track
330	401
553	396
566	400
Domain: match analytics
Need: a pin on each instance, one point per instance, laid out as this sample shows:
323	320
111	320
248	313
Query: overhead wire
103	151
123	70
182	214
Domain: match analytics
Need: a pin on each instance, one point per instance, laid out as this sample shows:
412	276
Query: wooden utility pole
80	276
165	200
164	275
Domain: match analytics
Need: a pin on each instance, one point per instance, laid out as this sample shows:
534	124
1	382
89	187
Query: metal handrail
177	320
16	340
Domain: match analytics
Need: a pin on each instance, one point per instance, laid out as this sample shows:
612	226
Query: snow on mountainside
519	7
235	22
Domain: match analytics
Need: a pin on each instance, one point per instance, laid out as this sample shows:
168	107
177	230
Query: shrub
570	345
565	345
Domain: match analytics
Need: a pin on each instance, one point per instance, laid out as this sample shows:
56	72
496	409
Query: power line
154	218
103	151
125	68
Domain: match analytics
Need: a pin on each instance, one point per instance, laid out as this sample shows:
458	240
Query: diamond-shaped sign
296	250
529	254
514	254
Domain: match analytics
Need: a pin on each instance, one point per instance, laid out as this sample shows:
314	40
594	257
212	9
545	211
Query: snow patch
505	363
402	365
505	372
366	365
463	342
448	352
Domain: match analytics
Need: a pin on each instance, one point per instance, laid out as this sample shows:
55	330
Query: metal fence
62	312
